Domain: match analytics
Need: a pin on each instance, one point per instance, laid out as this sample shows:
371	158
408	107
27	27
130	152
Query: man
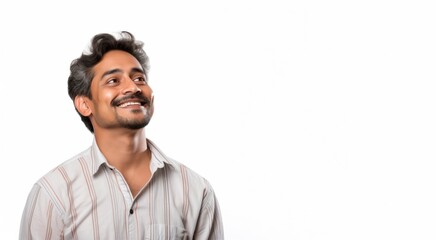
123	186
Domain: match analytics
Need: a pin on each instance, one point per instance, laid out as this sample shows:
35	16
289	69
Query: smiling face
121	96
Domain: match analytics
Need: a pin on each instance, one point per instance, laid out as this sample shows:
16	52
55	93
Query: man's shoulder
187	174
67	169
184	169
178	168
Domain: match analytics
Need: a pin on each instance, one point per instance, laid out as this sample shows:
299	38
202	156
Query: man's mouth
130	104
128	101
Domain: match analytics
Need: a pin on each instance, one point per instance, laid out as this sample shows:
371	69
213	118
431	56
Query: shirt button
131	211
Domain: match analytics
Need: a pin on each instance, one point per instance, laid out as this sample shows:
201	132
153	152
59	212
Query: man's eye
139	79
112	81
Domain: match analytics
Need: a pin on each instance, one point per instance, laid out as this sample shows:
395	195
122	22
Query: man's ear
82	104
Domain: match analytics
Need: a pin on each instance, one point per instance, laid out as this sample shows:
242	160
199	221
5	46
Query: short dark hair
81	69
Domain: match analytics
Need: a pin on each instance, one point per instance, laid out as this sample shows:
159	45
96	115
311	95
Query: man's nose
130	86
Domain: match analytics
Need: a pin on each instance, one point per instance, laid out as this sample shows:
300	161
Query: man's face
121	96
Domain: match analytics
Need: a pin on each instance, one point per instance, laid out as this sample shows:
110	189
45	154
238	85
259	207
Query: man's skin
119	127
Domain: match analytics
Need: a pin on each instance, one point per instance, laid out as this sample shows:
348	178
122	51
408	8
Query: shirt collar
158	158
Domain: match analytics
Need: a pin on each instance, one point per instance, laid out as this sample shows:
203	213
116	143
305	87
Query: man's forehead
118	56
118	61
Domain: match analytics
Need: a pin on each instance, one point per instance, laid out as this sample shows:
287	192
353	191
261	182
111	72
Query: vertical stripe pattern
85	198
90	186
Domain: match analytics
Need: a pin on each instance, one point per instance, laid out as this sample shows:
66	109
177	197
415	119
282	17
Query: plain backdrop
311	119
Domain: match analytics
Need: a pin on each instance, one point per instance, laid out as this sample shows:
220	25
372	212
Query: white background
311	119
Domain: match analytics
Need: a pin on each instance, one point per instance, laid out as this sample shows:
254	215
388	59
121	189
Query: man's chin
134	125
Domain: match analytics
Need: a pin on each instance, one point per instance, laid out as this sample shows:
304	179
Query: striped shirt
86	198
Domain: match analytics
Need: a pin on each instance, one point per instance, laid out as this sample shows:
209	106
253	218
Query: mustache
144	100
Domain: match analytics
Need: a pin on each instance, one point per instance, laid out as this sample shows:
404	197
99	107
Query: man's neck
123	149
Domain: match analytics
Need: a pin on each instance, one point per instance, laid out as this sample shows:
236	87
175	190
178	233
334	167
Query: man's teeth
129	103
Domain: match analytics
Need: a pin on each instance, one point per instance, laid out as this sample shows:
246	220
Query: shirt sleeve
40	219
209	225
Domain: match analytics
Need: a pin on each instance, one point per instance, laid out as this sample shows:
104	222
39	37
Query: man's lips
127	104
132	100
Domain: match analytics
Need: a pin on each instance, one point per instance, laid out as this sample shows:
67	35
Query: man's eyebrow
109	72
136	70
117	70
